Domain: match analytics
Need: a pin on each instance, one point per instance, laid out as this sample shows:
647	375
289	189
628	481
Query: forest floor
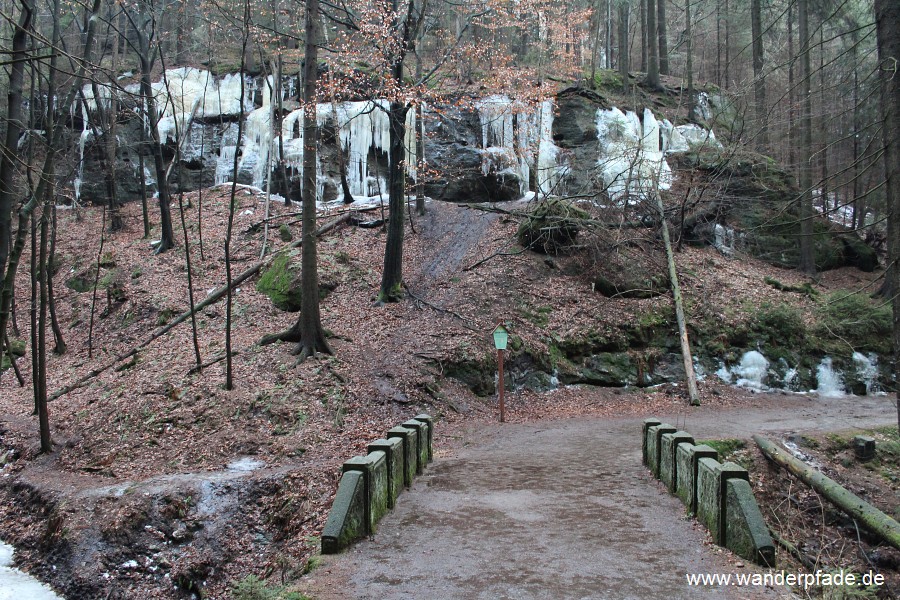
163	484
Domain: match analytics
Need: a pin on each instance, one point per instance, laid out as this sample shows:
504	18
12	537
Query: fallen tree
213	297
871	518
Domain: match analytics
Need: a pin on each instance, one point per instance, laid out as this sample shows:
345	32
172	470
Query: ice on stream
754	373
16	585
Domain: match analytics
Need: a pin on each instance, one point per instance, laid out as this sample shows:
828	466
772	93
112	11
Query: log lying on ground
871	518
213	297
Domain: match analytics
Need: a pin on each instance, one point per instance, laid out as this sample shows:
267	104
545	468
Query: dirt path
561	510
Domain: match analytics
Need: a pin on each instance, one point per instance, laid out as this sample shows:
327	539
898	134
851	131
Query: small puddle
245	464
16	585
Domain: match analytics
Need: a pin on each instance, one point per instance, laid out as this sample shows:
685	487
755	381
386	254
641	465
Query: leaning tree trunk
690	376
870	517
14	126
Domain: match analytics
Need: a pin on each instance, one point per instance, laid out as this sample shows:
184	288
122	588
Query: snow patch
16	585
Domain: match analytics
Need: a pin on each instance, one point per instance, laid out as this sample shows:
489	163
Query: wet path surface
560	510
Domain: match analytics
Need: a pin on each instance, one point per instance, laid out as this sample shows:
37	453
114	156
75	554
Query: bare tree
144	27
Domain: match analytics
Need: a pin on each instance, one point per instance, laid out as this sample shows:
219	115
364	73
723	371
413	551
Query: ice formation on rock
697	137
867	371
630	160
516	139
752	371
632	150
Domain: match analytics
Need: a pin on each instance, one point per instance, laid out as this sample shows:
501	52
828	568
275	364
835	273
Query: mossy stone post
393	451
373	466
347	519
687	457
410	444
648	423
421	443
430	422
711	488
746	533
654	445
864	447
668	468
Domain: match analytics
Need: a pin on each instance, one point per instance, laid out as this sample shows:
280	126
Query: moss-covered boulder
281	282
609	369
477	374
551	226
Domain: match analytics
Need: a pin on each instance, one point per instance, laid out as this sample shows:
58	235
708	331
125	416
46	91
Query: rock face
497	149
492	149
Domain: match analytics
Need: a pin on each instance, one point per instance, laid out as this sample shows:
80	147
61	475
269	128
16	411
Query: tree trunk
229	227
870	517
727	75
145	214
719	43
662	37
687	358
312	336
689	67
14	127
609	34
652	79
624	56
791	95
807	258
59	346
392	277
420	143
887	17
167	233
759	81
146	57
823	126
857	132
643	15
40	378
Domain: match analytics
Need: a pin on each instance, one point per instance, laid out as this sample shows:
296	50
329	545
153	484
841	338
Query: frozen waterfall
630	158
516	139
830	382
632	151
